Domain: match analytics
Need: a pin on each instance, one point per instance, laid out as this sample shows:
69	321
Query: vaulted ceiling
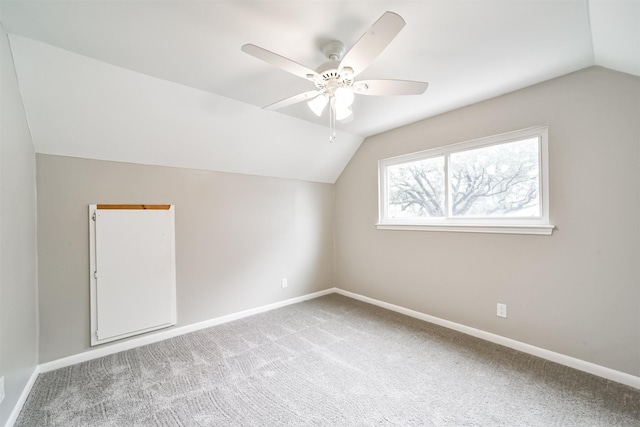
165	82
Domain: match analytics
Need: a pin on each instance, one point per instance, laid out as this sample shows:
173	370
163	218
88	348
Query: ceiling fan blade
389	87
373	42
306	96
280	61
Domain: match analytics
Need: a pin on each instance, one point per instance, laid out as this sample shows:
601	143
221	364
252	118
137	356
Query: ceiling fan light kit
335	80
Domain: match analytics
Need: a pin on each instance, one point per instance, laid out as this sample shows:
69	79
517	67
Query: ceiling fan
335	80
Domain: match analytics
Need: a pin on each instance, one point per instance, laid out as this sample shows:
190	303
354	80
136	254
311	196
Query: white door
134	272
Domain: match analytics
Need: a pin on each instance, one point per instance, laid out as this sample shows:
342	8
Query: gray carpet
331	361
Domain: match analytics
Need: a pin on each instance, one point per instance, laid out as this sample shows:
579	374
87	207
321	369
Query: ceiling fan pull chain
332	126
332	120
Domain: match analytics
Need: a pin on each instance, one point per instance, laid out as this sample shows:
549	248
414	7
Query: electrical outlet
1	389
502	310
284	283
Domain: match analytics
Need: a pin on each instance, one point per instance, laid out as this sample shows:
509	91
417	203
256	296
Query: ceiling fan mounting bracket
333	50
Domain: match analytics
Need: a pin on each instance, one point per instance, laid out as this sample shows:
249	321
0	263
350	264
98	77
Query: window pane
416	189
498	180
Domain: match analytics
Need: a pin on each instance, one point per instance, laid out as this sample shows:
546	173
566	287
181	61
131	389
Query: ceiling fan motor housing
333	76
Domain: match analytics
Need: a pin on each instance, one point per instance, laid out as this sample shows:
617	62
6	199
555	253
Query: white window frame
508	225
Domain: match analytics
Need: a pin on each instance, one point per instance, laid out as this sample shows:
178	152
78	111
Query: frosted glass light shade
317	104
344	96
342	111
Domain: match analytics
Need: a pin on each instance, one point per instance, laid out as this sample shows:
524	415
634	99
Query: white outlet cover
1	389
501	310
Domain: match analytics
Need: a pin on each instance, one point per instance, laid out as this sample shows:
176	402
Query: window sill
537	229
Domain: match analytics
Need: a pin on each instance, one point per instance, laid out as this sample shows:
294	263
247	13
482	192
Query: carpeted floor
331	361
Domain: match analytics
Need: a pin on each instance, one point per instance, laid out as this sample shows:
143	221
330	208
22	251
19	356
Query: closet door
133	270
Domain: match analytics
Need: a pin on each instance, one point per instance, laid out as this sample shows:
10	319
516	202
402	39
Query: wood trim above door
159	207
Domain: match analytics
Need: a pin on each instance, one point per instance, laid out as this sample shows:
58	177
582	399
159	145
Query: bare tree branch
508	188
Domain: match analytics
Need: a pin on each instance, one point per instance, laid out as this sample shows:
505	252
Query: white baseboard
572	362
23	398
170	333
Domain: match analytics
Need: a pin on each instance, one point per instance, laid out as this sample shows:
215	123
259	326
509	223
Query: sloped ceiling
165	82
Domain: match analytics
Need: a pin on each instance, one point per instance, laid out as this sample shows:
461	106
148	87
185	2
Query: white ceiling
131	73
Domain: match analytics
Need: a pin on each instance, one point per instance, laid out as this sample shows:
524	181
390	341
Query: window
497	184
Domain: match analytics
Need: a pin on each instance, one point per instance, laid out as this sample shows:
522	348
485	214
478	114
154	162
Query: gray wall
18	300
576	292
237	236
